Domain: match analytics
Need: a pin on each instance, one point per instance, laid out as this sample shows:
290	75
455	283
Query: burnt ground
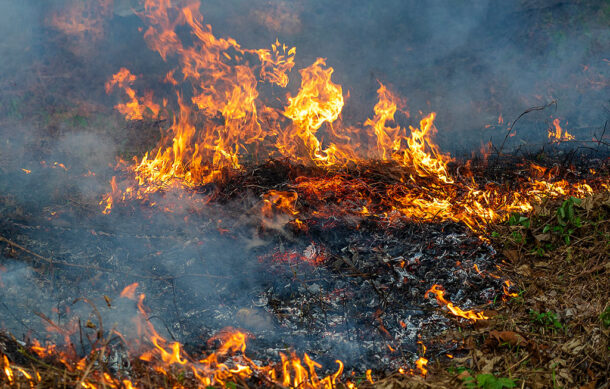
347	288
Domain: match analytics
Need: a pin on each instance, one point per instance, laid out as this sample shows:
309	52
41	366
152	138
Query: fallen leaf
507	337
512	255
524	270
573	346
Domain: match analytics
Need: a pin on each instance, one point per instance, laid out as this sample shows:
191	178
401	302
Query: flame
276	63
388	138
226	121
506	288
136	108
129	291
557	134
228	363
7	369
284	202
421	365
439	292
319	101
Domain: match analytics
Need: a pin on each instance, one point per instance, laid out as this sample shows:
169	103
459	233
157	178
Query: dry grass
555	332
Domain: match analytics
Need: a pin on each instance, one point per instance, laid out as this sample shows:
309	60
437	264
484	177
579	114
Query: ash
346	289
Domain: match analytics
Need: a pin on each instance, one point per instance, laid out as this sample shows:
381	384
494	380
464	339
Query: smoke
468	62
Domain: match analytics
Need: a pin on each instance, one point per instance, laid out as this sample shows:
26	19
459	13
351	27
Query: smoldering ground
468	62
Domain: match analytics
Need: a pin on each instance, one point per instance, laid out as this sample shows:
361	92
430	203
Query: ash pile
342	288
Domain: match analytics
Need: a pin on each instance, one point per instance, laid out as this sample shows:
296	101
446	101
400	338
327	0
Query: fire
129	291
136	108
226	122
284	202
319	101
557	134
421	365
228	363
7	369
439	292
276	63
506	286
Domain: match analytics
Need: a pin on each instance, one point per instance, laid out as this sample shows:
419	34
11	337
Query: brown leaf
507	337
543	237
524	270
512	255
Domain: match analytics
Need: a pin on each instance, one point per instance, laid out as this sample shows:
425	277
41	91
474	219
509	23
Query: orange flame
439	292
226	122
557	134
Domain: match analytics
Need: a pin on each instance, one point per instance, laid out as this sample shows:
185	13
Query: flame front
224	122
228	363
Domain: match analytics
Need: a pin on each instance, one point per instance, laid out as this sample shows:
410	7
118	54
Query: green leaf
506	383
230	385
483	380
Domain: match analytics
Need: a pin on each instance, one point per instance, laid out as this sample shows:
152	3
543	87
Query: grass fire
304	194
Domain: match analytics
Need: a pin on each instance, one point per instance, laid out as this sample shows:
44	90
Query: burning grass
546	326
368	238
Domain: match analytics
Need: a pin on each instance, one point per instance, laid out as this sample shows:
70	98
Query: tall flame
225	122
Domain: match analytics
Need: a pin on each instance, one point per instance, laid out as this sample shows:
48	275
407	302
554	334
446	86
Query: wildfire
227	122
136	108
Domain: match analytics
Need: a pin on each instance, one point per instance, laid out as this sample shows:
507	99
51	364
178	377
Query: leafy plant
567	220
516	219
546	319
487	381
518	237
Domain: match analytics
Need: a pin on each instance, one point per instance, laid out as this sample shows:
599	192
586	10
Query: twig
510	129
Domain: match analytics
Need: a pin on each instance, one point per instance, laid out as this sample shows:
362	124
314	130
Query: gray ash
344	289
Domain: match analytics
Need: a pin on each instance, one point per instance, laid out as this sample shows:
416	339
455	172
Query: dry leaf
524	270
573	346
507	337
512	255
